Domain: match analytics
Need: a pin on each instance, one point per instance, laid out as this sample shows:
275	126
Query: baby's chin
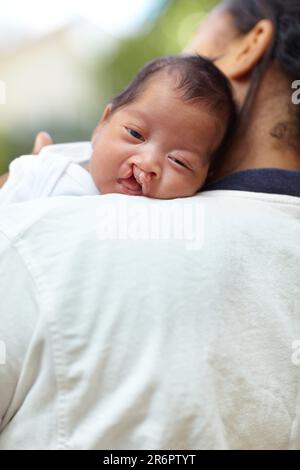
122	188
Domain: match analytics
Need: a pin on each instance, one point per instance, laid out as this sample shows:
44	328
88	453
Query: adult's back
151	343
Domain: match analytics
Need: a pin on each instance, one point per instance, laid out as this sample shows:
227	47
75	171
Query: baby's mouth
130	185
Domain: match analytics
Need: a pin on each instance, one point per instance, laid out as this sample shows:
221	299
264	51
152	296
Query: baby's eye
179	162
135	134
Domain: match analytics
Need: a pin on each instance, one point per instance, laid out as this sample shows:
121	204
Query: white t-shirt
56	171
116	338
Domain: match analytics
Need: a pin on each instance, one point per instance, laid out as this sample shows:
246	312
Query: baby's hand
42	140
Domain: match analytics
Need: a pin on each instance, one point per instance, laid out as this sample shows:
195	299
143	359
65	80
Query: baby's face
157	146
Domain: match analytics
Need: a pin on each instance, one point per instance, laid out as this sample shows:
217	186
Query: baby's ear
105	116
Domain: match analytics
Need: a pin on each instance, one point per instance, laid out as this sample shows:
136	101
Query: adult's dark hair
196	79
285	46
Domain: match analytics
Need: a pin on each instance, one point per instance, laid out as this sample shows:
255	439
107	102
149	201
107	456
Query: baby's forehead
161	99
160	90
170	79
171	85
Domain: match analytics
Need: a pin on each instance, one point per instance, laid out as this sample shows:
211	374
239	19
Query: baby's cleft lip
129	185
141	179
135	182
130	192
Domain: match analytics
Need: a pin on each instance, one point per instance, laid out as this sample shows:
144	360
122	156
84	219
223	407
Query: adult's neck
269	137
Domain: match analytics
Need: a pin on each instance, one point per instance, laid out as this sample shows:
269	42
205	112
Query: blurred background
61	61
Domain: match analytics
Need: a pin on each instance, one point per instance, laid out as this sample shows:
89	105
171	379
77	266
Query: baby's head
159	137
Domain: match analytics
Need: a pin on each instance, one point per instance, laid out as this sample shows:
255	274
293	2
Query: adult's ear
104	118
247	50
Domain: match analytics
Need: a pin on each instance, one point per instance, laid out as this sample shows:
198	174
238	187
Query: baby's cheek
199	180
96	170
176	185
204	172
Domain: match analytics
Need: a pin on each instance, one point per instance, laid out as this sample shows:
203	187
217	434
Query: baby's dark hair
197	80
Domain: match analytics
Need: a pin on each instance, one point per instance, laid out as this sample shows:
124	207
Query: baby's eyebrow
195	152
199	158
139	114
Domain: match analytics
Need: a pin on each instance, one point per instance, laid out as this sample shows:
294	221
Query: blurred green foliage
5	152
168	32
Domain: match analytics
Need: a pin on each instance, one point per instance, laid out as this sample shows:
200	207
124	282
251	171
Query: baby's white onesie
56	171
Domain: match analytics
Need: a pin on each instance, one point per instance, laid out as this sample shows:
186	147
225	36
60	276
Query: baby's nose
149	166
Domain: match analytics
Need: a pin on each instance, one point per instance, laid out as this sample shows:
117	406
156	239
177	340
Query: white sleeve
19	186
18	314
33	177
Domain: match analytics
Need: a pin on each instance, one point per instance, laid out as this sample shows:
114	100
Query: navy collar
265	180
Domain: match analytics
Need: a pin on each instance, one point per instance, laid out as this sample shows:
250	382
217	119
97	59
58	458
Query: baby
157	138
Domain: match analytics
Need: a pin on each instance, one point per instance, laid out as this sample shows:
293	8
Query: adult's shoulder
23	217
